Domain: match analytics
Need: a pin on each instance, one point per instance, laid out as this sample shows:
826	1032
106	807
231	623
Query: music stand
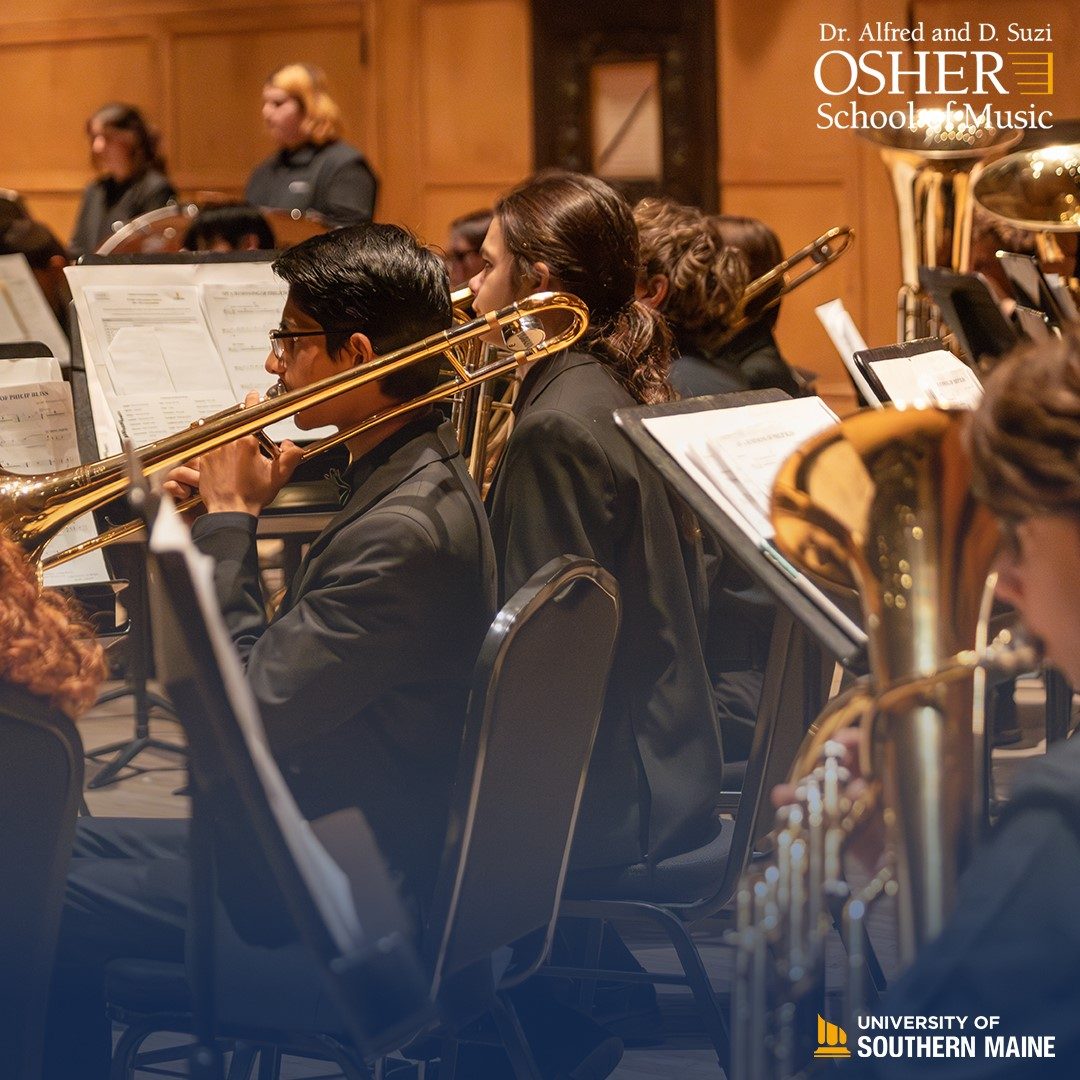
832	627
970	312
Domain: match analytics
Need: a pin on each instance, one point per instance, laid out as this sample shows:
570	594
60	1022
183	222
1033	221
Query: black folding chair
522	768
40	787
679	892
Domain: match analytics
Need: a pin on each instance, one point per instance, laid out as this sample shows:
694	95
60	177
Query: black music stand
830	626
864	358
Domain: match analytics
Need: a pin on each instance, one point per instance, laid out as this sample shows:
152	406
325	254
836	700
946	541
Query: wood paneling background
438	95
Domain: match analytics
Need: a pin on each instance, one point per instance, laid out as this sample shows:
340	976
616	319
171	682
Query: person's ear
653	291
357	350
544	278
248	242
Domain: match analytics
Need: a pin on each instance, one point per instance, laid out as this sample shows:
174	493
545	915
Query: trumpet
765	292
33	509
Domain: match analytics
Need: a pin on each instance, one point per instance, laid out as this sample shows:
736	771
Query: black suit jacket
106	203
362	676
571	483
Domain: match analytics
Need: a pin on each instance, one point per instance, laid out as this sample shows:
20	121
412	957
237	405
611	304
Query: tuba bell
933	166
882	503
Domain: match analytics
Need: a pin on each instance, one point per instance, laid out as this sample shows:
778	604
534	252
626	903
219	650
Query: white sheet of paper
36	318
37	435
847	340
29	370
901	384
947	380
240	317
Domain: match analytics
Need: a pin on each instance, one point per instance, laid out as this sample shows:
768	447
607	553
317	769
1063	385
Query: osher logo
832	1040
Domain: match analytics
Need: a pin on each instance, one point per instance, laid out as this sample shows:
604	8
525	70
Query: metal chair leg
513	1040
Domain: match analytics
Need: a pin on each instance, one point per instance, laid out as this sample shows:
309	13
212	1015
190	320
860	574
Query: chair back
41	774
537	694
341	902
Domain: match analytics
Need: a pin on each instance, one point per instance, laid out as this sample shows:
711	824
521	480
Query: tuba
933	166
881	502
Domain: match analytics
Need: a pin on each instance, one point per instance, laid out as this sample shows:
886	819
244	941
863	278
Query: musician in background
753	352
131	176
570	483
313	168
1012	947
362	676
695	280
463	249
229	227
47	259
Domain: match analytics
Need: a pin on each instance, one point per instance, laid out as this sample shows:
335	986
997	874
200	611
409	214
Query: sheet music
187	341
734	453
37	435
30	314
932	378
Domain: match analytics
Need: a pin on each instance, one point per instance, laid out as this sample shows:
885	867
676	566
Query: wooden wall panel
212	145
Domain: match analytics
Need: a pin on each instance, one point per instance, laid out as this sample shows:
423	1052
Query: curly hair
45	646
307	84
705	276
1025	436
584	231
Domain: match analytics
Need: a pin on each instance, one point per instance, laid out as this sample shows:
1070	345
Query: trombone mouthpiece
276	390
524	333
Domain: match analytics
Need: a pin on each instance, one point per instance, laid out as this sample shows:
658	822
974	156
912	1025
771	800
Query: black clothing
333	180
750	361
361	679
1012	946
570	483
107	204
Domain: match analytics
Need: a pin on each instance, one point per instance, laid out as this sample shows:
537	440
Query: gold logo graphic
1034	72
832	1040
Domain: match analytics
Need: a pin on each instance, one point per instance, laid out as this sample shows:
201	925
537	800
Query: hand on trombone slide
243	475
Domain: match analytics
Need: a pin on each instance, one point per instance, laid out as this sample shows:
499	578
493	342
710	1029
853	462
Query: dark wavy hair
125	117
376	279
45	646
585	232
1025	435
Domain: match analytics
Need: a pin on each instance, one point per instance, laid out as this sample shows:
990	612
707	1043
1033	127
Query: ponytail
636	344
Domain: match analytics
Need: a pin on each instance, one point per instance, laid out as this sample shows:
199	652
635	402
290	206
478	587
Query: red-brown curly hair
45	646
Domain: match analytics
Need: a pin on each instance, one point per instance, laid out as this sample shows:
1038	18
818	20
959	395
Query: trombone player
362	675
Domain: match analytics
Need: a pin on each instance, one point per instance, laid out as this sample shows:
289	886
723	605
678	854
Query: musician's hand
182	482
866	845
238	477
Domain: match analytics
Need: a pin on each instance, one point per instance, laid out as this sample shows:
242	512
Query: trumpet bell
1034	189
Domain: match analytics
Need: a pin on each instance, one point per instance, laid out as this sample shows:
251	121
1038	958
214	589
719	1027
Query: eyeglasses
279	337
459	256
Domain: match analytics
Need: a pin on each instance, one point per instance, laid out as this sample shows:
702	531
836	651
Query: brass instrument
1037	190
933	167
881	502
482	416
765	292
34	508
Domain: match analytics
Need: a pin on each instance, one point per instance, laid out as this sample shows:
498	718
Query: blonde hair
307	85
45	646
705	277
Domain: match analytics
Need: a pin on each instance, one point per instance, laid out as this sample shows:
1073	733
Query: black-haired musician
361	677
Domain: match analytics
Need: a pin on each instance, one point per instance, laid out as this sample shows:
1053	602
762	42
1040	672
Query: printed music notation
37	435
184	343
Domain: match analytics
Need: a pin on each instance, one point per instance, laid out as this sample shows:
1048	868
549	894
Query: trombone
34	508
765	292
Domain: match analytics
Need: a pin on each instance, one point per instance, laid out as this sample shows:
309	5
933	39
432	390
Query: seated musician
362	675
463	248
1012	947
313	167
570	483
229	227
47	259
49	660
695	280
131	176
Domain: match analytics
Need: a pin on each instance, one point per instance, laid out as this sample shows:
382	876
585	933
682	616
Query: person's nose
97	144
1009	586
273	365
